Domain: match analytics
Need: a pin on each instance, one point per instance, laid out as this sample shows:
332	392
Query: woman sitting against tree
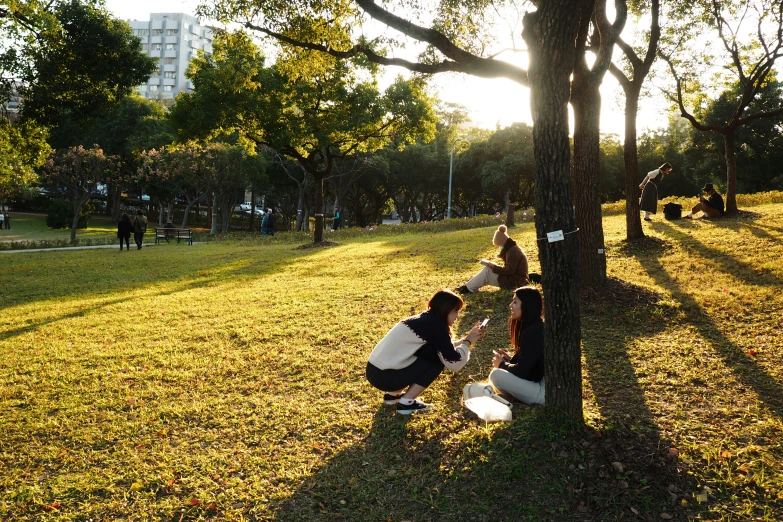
522	375
414	352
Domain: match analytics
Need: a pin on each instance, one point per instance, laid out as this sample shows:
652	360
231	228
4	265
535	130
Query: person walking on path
522	375
711	206
6	219
124	228
139	228
649	187
512	274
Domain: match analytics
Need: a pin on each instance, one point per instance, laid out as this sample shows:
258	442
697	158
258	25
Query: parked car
145	197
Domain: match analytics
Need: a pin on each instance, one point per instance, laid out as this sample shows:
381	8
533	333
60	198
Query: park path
65	249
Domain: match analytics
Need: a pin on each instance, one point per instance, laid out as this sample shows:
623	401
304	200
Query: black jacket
124	229
528	362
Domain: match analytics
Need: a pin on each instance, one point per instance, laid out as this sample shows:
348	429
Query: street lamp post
451	169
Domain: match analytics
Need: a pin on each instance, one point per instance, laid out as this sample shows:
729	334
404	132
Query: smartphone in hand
484	323
484	262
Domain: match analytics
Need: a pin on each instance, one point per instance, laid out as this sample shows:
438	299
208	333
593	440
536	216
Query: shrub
60	214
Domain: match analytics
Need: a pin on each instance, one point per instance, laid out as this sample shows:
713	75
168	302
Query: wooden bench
167	234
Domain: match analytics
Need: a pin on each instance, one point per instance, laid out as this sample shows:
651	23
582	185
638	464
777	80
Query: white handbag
481	399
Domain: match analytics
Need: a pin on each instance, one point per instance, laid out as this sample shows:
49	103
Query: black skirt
649	201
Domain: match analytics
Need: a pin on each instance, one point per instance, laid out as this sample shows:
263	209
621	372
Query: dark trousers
421	372
127	242
7	223
139	238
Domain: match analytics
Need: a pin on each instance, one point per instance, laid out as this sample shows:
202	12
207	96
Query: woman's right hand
475	333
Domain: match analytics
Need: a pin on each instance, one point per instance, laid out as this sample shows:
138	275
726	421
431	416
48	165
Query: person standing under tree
139	228
649	203
6	219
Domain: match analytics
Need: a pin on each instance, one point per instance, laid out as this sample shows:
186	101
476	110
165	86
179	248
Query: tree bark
633	219
214	228
187	212
586	102
730	154
509	210
550	34
318	236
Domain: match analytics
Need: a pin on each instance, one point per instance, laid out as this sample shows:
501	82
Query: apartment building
172	38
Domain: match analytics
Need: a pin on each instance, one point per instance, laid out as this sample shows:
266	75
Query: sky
490	102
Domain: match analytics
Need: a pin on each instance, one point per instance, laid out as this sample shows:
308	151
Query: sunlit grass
226	381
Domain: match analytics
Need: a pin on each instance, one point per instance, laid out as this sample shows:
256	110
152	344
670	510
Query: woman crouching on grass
522	375
414	352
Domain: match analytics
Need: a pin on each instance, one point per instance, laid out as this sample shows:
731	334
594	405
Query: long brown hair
532	308
443	303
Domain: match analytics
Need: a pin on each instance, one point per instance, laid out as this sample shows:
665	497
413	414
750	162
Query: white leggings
528	392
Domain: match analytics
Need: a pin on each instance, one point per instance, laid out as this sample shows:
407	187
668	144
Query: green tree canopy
82	65
308	106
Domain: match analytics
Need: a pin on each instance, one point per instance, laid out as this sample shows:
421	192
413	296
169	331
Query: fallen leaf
665	516
195	502
618	466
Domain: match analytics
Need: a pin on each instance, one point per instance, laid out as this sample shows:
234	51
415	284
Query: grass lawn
226	381
32	227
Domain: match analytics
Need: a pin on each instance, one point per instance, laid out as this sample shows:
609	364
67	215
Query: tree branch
758	116
678	99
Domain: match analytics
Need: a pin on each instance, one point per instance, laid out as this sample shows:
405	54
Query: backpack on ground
672	211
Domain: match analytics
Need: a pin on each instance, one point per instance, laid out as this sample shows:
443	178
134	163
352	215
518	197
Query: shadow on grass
721	260
448	465
745	369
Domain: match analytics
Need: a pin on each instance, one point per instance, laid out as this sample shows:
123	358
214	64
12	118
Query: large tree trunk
318	236
509	210
550	34
77	207
731	171
300	203
214	221
187	212
633	219
586	102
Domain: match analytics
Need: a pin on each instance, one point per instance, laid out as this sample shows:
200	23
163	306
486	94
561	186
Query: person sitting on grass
512	274
711	206
414	352
522	375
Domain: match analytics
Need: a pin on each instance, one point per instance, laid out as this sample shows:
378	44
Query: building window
141	32
157	47
171	47
169	61
157	32
167	88
169	74
153	88
144	47
171	32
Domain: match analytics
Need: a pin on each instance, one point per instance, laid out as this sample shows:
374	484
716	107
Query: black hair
140	212
443	303
125	218
532	308
665	166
